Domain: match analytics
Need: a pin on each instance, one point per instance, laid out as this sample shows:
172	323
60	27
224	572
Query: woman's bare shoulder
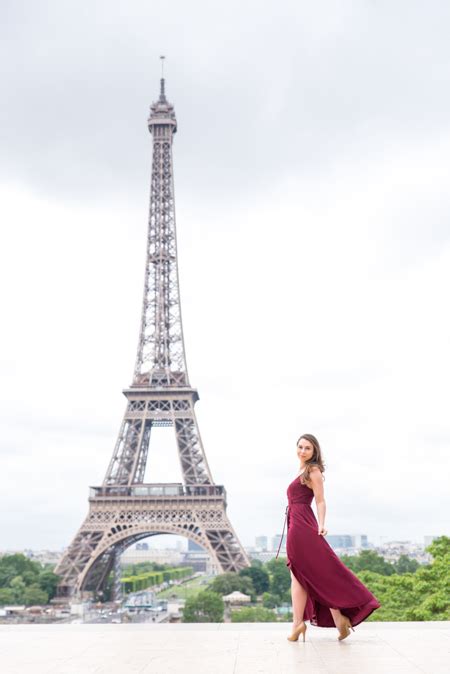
315	473
315	470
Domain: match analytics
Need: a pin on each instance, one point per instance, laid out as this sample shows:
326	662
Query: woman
324	591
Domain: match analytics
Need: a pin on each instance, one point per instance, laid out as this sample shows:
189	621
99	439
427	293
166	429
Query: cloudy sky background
313	221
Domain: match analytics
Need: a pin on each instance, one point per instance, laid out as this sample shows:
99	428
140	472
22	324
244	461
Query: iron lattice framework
125	509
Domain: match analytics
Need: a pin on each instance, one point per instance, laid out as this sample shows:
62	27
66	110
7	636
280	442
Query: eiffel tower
125	509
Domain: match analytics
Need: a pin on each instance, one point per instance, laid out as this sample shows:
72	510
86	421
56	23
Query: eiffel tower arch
125	509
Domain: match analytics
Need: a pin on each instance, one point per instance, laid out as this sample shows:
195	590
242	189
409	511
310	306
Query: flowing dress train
313	562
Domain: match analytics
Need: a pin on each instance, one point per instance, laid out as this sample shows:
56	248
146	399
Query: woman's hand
322	531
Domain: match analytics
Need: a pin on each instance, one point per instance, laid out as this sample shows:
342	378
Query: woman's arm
317	485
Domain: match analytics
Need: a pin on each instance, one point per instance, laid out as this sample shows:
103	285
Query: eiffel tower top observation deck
161	360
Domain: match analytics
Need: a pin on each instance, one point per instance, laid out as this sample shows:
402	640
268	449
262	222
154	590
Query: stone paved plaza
373	648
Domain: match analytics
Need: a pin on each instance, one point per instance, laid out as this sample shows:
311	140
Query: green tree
18	573
270	600
142	567
34	595
6	596
280	577
247	587
368	560
17	565
422	595
260	578
231	582
405	564
18	586
48	582
439	548
257	563
253	615
205	607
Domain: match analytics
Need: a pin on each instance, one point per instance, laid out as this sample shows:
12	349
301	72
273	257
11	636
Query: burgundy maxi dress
329	583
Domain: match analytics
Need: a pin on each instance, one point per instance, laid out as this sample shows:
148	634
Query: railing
175	490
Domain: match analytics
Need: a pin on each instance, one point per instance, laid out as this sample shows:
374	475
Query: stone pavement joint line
224	648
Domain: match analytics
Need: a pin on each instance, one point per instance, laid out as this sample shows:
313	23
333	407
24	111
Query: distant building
200	561
160	556
343	541
391	551
264	556
43	556
348	543
276	542
427	540
360	541
261	543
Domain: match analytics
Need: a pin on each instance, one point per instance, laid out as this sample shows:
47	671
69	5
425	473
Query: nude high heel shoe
344	629
301	629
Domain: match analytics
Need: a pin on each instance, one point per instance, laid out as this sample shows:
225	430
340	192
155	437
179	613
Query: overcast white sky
313	220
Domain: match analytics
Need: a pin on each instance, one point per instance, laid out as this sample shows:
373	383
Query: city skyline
319	257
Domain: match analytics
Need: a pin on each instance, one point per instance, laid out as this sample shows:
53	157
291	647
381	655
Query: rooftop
224	648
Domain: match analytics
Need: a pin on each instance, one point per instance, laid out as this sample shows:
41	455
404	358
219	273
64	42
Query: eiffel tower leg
100	573
117	587
227	550
75	560
192	456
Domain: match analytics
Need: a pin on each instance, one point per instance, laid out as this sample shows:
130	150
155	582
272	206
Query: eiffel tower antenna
125	509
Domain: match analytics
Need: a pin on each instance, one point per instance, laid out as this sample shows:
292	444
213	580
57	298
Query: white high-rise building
261	543
276	542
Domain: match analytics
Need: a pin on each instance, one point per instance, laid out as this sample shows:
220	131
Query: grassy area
188	589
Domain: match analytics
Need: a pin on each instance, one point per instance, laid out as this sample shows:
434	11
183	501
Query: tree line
23	581
405	589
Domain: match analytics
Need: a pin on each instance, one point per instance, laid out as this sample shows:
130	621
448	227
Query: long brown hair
315	460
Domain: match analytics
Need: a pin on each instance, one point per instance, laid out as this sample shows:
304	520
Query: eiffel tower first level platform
125	509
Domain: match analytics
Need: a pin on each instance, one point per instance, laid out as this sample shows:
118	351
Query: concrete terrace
373	648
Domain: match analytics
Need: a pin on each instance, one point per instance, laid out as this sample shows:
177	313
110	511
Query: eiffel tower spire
125	509
160	357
